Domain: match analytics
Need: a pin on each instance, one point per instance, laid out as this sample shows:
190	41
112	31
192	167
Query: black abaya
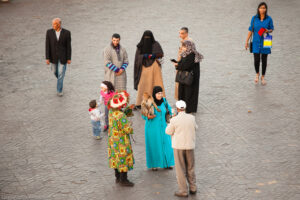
189	93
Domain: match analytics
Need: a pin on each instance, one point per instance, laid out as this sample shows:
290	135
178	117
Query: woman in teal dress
159	152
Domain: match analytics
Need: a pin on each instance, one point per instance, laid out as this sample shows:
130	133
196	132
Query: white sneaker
60	94
98	138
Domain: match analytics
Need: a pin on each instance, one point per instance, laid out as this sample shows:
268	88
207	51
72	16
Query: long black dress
189	93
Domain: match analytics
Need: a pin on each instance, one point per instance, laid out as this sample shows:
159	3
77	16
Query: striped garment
114	61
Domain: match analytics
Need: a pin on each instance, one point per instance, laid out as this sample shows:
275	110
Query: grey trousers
184	165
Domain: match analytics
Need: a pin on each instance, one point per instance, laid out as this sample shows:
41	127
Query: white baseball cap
180	104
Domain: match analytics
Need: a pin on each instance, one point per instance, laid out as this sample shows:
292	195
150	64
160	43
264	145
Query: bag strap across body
251	39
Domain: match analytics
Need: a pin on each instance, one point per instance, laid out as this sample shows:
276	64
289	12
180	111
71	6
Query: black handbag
168	115
251	43
184	77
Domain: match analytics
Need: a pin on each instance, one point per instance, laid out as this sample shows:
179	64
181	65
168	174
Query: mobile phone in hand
173	60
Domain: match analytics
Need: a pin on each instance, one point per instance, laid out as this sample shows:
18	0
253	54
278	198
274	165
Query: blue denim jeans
59	71
96	127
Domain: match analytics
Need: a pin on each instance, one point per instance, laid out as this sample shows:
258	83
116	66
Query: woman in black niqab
146	43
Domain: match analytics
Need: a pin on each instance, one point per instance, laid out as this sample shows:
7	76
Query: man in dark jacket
58	51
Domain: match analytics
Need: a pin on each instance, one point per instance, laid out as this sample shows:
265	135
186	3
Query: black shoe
124	181
117	174
170	168
137	107
193	192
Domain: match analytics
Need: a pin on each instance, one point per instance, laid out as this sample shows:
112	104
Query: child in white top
95	119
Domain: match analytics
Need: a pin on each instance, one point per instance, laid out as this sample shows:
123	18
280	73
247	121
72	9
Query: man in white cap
182	129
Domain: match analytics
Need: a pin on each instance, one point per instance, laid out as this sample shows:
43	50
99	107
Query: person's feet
60	94
124	180
181	194
170	168
263	81
256	79
193	192
126	183
154	169
98	138
137	107
118	180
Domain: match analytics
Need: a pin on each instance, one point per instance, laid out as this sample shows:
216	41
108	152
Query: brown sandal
256	79
263	81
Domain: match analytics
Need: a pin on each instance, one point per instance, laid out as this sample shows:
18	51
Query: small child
107	92
95	119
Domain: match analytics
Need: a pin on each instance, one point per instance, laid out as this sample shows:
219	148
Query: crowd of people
168	142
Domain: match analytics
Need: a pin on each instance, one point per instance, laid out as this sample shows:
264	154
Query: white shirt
96	114
182	129
57	34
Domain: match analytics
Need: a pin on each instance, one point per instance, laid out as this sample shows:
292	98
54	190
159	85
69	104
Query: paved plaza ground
47	151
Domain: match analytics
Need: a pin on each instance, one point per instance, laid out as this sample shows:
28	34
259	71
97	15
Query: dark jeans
263	58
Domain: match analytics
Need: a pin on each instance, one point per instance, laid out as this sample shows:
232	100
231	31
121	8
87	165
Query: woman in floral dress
120	153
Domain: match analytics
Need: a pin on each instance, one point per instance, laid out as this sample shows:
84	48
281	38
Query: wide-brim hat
119	100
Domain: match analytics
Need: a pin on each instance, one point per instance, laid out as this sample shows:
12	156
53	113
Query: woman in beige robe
147	66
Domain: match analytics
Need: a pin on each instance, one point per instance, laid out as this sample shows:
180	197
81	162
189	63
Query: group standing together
161	134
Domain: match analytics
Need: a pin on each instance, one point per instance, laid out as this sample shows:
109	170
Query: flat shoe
193	192
179	194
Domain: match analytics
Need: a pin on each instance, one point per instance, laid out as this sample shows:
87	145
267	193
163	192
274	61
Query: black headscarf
157	89
144	47
146	43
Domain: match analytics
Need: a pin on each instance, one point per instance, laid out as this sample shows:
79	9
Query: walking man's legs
180	167
191	177
61	70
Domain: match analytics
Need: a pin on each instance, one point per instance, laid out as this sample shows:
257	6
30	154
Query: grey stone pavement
46	146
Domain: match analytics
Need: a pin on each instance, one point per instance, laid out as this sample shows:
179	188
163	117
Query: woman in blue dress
159	152
260	24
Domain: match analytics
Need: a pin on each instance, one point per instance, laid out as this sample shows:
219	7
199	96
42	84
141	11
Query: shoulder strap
253	24
166	103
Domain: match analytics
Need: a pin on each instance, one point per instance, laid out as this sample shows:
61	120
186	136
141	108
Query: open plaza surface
248	138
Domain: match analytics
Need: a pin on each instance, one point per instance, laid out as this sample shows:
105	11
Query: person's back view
182	129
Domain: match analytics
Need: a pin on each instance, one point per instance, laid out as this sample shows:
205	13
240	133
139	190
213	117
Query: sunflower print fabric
120	153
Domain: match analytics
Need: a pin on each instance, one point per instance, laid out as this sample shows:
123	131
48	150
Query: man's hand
120	72
69	61
48	62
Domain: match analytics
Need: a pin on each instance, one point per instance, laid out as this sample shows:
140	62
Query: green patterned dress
120	153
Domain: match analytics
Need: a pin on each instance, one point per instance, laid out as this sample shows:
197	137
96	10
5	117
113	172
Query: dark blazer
58	50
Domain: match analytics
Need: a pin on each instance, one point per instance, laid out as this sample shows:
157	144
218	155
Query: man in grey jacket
116	62
182	129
